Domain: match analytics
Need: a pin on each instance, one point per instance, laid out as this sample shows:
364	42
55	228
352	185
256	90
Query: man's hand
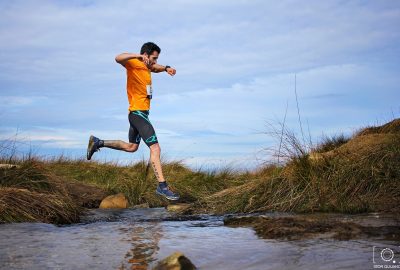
124	57
171	71
145	59
159	68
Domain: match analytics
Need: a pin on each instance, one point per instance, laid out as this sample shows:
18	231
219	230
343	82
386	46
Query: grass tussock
32	192
390	127
355	175
329	143
22	205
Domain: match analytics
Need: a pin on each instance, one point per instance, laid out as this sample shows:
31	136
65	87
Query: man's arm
124	57
156	68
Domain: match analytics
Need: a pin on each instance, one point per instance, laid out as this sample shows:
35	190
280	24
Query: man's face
153	58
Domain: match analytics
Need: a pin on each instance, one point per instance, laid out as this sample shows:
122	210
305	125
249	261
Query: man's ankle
163	184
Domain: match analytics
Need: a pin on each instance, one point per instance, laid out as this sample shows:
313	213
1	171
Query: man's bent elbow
119	58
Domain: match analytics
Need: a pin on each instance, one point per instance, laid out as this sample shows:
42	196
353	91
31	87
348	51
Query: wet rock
179	207
176	261
140	206
114	201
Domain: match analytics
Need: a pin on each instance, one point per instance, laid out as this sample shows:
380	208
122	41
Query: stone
179	207
140	206
114	201
176	261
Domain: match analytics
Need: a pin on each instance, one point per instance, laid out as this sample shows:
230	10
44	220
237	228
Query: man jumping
140	91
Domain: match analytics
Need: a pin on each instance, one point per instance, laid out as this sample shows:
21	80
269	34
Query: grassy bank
341	174
58	190
31	191
350	175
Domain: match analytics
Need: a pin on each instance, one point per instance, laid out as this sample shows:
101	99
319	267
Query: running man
139	90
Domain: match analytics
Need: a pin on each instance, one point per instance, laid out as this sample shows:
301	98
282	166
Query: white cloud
18	101
57	137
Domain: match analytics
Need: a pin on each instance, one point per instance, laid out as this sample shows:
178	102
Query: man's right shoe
93	146
167	193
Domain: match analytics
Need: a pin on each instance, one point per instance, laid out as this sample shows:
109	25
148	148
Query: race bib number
149	88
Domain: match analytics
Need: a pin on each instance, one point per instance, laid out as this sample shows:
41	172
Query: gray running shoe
93	146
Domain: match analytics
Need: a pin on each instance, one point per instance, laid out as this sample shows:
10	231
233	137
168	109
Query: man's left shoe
93	146
167	193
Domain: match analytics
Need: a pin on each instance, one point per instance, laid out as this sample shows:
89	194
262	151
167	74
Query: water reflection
144	240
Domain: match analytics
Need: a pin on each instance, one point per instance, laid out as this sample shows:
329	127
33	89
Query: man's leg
140	120
134	140
131	146
121	145
155	153
162	188
95	143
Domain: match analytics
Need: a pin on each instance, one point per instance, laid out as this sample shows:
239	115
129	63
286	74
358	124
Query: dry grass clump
22	205
31	192
390	127
329	143
360	175
32	175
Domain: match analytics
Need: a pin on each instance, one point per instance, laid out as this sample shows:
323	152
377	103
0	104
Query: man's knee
155	148
132	147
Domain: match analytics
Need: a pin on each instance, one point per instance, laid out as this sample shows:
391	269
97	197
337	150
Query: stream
138	238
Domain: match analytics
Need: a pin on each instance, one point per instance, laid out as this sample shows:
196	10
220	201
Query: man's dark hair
149	48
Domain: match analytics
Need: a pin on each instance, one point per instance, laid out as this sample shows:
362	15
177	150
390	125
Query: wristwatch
166	68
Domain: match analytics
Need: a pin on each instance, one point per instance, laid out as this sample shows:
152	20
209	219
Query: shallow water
137	239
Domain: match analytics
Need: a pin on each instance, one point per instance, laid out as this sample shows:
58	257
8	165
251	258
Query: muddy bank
297	228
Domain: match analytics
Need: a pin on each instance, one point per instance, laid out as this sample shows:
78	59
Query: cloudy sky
236	63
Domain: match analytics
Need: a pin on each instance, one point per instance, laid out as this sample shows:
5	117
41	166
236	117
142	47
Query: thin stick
283	127
298	110
309	134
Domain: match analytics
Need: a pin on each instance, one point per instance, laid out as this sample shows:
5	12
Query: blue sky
235	61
